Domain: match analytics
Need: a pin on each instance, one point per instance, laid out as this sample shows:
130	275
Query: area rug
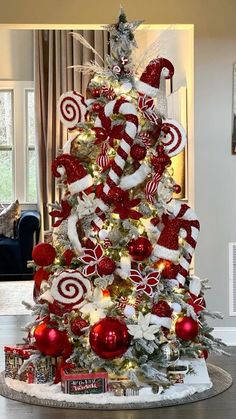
221	380
12	293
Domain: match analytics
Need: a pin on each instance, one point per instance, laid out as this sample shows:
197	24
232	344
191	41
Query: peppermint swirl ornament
71	108
70	288
173	137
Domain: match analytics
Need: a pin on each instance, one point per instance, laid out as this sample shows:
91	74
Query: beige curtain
55	51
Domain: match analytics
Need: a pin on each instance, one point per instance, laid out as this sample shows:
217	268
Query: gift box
78	381
40	371
176	374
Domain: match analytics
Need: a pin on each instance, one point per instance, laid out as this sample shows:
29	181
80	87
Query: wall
215	52
16	52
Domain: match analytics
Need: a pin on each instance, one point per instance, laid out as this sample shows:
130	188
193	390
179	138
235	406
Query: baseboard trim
227	334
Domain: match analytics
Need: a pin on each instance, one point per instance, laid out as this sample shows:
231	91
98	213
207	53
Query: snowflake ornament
143	330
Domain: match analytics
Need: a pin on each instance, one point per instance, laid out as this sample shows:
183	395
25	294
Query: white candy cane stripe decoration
128	110
146	106
185	221
174	141
71	108
151	186
70	288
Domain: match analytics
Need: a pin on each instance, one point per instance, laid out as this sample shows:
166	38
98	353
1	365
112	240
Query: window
17	142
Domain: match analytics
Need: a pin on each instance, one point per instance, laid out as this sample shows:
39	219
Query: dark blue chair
15	252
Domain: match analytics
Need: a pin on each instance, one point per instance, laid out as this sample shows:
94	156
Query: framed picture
234	111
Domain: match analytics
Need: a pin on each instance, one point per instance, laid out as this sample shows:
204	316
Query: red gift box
78	381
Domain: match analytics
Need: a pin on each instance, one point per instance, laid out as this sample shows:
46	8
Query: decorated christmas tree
113	292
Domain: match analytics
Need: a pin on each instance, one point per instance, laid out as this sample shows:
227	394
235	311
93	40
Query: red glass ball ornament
170	270
49	340
109	338
186	328
43	254
77	325
140	248
97	107
96	92
39	276
116	194
138	152
106	266
177	189
162	309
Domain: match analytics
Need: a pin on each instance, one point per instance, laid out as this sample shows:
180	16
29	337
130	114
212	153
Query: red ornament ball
77	326
106	266
49	340
109	338
97	107
138	152
116	194
162	309
96	92
177	189
170	270
43	254
140	248
186	328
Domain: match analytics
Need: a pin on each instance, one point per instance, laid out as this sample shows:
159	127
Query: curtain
55	51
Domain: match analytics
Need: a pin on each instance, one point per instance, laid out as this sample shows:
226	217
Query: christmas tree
113	290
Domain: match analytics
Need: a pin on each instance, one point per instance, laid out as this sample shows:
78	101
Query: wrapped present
78	381
40	371
176	373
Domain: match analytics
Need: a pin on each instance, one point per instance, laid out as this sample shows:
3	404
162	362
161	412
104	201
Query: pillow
8	217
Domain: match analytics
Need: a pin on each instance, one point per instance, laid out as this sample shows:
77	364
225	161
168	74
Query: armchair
15	252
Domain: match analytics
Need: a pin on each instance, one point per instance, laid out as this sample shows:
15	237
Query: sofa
15	252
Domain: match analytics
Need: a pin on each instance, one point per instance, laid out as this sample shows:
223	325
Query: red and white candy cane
72	108
185	221
128	110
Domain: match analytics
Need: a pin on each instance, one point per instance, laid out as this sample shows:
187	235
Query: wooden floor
219	407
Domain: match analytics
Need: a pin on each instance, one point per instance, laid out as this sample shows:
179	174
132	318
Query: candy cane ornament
167	247
128	110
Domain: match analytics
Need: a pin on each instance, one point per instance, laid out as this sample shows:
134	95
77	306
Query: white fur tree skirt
51	395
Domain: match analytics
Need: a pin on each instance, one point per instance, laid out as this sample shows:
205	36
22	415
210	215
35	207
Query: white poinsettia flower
143	330
96	307
87	205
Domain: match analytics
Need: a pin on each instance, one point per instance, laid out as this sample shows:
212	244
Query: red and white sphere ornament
49	340
106	266
186	328
140	248
109	338
43	254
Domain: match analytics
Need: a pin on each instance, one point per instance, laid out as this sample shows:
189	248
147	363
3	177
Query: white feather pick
84	42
